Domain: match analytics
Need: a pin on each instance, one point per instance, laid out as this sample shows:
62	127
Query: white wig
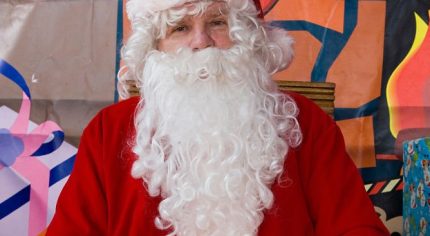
150	19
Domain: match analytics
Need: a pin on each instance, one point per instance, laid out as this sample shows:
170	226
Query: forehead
205	8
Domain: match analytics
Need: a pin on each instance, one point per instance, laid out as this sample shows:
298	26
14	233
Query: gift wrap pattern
416	192
31	185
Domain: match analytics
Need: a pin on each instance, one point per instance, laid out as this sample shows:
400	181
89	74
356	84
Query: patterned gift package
30	184
416	191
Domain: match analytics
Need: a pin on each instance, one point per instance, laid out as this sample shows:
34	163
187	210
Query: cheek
222	41
170	45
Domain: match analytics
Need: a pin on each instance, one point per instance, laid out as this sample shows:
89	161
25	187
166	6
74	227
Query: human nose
201	40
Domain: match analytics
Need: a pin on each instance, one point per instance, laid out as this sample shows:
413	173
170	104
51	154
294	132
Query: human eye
218	22
179	28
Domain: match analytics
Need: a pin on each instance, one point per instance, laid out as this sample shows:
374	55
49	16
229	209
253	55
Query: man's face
196	32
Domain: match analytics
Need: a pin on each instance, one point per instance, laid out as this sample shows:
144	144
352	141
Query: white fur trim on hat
139	8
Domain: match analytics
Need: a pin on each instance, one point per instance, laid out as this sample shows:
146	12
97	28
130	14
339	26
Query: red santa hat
259	8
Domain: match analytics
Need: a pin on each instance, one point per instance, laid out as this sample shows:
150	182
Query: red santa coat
324	197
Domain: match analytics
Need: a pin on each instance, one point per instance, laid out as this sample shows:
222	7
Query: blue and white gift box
416	190
30	184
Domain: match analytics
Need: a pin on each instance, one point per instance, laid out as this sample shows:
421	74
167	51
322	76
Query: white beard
211	139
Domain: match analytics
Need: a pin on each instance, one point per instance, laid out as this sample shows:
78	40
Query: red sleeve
337	200
81	207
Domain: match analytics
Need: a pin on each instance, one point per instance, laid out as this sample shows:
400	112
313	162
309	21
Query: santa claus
211	147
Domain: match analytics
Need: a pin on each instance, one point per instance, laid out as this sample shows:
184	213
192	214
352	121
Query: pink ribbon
32	168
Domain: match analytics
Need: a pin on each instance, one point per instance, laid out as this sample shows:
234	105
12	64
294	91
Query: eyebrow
213	13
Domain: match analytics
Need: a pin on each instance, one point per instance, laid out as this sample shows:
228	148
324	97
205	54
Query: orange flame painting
408	89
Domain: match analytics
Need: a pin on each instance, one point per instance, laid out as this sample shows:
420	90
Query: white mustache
189	66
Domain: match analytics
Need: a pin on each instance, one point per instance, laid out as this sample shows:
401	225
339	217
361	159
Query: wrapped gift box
31	185
416	191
